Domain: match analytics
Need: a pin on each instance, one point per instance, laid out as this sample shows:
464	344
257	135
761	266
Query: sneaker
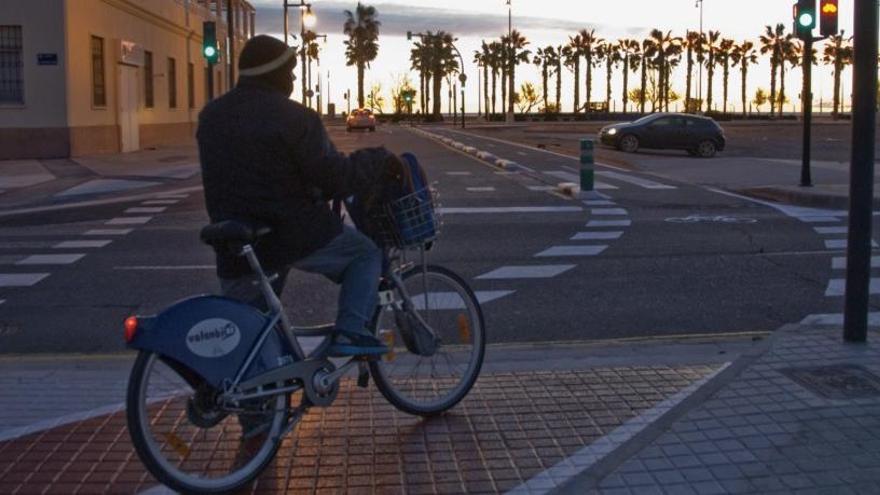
347	343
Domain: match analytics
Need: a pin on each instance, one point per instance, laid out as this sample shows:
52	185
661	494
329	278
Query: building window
11	74
148	79
99	85
172	83
191	85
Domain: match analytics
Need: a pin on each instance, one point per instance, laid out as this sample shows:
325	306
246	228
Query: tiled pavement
512	426
765	433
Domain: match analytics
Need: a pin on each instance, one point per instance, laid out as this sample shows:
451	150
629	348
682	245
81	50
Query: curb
503	164
801	198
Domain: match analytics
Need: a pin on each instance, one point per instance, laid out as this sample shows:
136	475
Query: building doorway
129	136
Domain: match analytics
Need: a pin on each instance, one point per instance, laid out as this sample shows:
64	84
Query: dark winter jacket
266	158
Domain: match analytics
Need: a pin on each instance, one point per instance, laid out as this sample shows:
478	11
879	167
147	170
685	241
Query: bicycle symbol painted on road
710	219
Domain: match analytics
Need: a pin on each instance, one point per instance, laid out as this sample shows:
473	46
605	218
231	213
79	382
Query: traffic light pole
210	81
861	182
807	109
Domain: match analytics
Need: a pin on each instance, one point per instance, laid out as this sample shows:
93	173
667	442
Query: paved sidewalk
43	182
797	412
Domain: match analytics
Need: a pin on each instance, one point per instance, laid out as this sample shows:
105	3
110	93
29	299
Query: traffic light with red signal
828	17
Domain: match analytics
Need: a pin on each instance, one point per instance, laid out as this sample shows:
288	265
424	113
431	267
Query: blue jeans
350	259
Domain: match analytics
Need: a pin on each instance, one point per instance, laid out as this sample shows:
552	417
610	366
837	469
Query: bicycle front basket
408	221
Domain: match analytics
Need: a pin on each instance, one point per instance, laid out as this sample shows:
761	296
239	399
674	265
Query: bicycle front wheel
430	379
189	443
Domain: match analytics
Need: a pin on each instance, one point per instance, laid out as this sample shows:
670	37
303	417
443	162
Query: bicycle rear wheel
186	441
431	382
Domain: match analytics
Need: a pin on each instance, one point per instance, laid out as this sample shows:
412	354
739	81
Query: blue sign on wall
47	59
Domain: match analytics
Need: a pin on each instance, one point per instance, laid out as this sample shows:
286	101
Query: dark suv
699	136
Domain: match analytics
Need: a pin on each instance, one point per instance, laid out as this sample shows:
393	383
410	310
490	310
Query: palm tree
559	60
744	54
795	58
420	58
648	52
496	63
573	53
788	55
725	48
713	39
838	53
610	53
673	58
516	55
632	57
443	63
481	58
542	58
692	42
663	47
590	43
361	47
771	43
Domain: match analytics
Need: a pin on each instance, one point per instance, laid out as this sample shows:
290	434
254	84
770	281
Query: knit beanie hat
268	60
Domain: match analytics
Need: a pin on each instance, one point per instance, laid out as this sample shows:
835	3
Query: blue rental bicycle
218	384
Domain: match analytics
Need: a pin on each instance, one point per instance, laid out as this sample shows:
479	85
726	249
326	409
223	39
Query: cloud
397	19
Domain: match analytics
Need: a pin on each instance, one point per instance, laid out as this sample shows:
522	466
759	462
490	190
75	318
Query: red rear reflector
131	324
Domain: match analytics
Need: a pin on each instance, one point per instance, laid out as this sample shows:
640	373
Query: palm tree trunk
504	88
486	91
625	81
608	68
779	107
438	88
710	77
644	85
690	70
726	80
589	78
360	67
744	93
559	83
544	82
511	90
494	87
577	83
773	67
838	67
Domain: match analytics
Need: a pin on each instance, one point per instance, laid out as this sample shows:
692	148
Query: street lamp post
510	61
307	20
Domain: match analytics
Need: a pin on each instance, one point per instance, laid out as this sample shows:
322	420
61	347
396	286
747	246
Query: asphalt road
668	263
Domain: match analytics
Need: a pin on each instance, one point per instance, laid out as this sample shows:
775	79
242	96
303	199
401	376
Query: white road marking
831	230
452	300
157	209
841	244
51	259
128	221
512	209
647	184
572	177
521	153
172	196
567	469
98	243
108	232
596	235
818	219
599	202
21	279
458	173
839	262
166	267
480	189
104	186
608	211
541	188
80	204
161	202
571	251
26	244
837	287
609	223
2	301
837	319
529	271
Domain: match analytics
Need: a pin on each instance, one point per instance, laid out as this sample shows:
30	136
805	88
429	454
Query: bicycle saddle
228	232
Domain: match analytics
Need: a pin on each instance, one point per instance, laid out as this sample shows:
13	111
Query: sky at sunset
546	22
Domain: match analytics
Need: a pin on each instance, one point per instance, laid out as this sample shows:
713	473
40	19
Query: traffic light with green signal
209	42
804	18
828	17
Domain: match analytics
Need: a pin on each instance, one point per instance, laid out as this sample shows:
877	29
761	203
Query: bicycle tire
386	385
135	409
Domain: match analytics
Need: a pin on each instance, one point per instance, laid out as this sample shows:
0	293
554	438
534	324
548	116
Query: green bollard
587	172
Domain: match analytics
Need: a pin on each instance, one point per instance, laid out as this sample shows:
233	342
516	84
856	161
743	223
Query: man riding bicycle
267	160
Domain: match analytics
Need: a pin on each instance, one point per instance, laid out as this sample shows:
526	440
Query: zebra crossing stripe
458	173
128	221
21	279
647	184
161	202
837	287
599	202
51	259
841	244
595	236
608	211
82	244
108	232
831	230
839	262
571	251
480	189
156	209
609	223
529	271
810	219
